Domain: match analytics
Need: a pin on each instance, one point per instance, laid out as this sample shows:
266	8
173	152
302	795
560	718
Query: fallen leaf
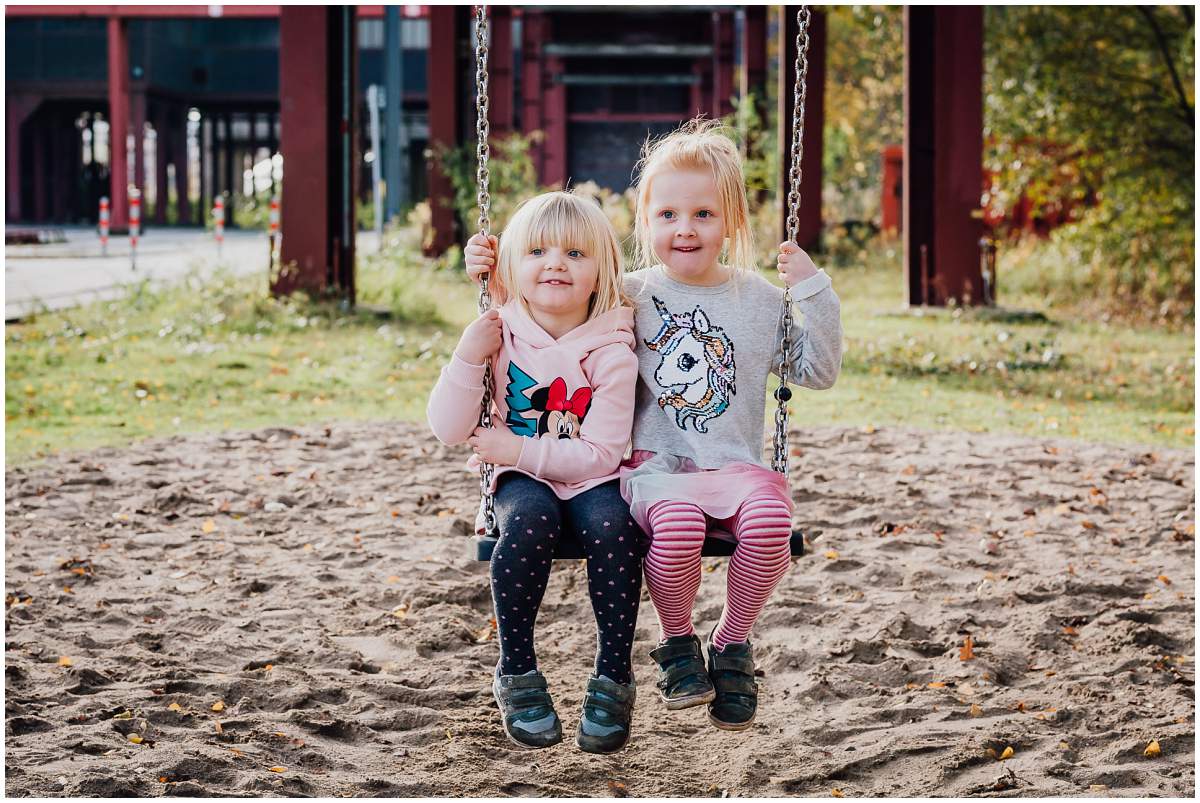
65	661
162	779
1020	706
837	792
400	611
175	707
832	554
1153	749
937	684
976	711
991	753
618	789
133	737
1088	525
1069	631
1008	753
208	526
967	652
278	769
392	579
218	706
1164	579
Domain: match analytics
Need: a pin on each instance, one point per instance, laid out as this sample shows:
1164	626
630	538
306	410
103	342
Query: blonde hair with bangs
698	144
565	220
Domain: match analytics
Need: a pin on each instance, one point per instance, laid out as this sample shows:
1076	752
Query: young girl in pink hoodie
560	347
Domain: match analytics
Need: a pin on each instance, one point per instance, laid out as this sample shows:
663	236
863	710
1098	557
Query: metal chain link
799	95
482	152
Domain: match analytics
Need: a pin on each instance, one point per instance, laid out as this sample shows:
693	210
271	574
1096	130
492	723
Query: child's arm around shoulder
816	352
454	403
612	371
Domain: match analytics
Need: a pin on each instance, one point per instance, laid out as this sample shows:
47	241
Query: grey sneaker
732	673
682	678
607	711
526	710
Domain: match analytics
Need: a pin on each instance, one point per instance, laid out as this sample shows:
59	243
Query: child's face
687	229
557	280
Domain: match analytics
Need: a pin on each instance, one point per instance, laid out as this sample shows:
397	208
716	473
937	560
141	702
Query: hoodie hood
614	326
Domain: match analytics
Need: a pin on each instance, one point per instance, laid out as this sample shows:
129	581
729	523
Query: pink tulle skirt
648	478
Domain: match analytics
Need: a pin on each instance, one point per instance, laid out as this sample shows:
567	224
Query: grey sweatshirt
704	354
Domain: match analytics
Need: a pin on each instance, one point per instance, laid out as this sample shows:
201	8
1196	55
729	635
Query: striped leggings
763	528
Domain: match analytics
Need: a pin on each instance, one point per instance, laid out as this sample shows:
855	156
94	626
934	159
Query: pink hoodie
571	399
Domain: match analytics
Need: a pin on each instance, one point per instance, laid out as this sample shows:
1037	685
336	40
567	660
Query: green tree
864	106
1096	106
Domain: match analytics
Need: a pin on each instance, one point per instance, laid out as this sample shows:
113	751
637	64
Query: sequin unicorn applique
697	370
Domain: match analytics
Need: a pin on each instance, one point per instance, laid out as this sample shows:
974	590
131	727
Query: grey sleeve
816	352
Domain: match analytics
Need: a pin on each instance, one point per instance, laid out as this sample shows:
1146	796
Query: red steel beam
142	12
316	252
808	234
118	122
500	71
535	28
943	154
446	30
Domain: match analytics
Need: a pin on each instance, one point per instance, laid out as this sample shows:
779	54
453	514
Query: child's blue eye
537	252
668	214
704	213
575	253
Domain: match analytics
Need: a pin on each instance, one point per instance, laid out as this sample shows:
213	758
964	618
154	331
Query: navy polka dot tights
531	520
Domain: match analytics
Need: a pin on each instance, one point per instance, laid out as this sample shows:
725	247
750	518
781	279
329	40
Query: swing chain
482	152
799	96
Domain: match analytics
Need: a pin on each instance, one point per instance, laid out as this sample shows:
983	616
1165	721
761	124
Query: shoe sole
730	726
679	703
601	752
514	739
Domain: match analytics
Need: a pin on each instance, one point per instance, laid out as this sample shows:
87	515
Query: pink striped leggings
763	528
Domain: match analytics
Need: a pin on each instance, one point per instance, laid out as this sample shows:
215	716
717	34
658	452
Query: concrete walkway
58	275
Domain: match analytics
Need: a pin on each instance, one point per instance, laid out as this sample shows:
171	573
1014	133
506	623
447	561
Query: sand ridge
313	585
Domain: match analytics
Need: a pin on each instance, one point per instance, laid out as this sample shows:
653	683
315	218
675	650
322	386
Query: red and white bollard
219	222
104	219
135	224
273	228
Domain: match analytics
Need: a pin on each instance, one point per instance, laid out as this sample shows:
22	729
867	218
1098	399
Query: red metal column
446	91
892	191
723	79
17	109
118	121
554	99
534	28
754	57
500	71
808	234
316	58
943	154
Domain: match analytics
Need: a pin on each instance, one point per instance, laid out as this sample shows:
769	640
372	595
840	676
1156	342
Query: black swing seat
719	545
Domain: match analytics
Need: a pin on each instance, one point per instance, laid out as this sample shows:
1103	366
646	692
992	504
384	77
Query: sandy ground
293	612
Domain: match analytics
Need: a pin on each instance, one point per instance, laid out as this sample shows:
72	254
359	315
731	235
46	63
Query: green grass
221	355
